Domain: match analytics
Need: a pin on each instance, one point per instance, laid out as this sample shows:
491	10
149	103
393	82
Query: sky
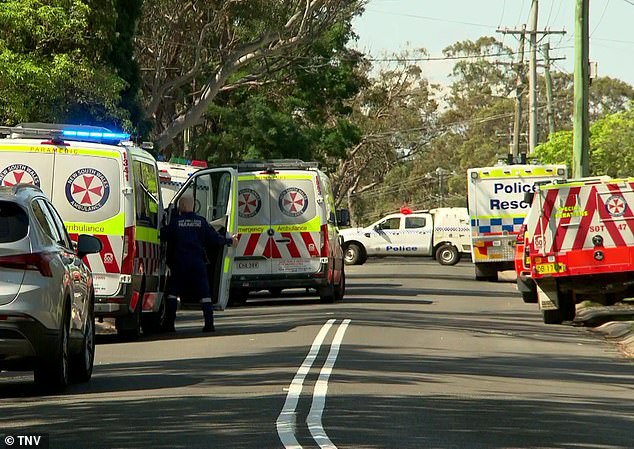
391	26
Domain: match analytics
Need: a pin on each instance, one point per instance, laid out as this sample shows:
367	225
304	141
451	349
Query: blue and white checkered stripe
497	225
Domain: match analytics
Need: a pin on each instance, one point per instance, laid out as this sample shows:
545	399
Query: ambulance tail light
324	241
129	250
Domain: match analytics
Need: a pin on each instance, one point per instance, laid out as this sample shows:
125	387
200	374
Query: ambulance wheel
354	255
129	326
327	294
238	297
276	291
340	289
552	316
154	322
447	254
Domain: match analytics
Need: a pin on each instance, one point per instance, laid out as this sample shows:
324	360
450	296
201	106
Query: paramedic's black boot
170	313
208	314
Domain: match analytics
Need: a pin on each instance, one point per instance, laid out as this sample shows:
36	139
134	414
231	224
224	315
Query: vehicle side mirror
343	217
88	244
528	197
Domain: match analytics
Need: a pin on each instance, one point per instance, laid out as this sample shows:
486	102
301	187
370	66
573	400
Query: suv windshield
14	223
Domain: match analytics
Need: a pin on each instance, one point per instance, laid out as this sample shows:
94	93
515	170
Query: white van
288	230
105	187
172	176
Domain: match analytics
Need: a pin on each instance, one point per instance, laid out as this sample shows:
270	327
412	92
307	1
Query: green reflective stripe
112	226
510	172
310	226
273	177
72	151
150	235
227	264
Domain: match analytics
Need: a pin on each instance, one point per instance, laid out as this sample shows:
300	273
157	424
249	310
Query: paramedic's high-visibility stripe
112	226
273	177
50	149
149	235
309	226
510	172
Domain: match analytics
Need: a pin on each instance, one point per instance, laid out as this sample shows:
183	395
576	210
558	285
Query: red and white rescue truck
497	210
581	244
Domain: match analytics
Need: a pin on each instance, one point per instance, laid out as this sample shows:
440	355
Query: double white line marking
286	421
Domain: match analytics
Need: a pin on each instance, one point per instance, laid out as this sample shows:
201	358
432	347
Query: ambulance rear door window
145	194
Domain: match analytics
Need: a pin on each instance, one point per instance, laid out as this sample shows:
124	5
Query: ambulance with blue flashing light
288	231
173	174
581	244
102	185
495	197
442	233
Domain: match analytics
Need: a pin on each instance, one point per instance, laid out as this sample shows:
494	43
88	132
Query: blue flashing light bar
95	135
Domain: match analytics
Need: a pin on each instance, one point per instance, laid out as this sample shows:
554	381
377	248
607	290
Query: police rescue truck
104	186
497	209
443	233
581	244
288	231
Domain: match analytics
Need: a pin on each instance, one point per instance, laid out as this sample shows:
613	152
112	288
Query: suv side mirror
343	217
528	197
88	244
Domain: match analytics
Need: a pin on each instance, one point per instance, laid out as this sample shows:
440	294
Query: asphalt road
416	356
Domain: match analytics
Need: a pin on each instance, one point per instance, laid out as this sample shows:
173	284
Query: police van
102	185
497	209
288	231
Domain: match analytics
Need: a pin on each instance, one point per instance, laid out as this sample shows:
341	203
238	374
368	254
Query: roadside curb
614	323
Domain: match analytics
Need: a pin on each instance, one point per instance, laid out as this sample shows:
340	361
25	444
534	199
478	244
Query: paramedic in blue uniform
188	236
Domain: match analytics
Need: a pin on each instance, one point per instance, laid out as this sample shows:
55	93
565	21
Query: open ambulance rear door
215	193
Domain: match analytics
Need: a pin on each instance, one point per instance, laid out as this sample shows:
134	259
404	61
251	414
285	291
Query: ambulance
173	174
289	236
102	185
581	244
495	197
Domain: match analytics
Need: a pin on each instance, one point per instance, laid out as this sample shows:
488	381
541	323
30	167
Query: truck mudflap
547	294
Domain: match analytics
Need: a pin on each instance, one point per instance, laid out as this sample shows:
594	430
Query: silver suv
46	293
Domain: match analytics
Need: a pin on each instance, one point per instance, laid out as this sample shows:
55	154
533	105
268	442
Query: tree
192	51
52	65
611	141
301	111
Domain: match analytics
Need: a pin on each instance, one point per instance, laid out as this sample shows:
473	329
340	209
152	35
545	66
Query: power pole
549	89
519	89
580	154
532	82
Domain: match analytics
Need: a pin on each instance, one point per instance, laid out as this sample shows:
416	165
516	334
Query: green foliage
611	143
299	112
51	67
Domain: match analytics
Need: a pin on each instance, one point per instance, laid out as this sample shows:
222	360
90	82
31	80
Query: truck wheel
353	255
567	305
447	254
552	316
529	297
483	272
